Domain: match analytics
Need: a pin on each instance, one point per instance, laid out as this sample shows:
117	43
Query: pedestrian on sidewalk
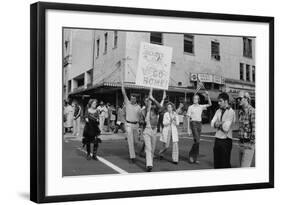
91	129
103	113
223	121
76	118
170	133
150	131
133	112
194	114
68	115
246	130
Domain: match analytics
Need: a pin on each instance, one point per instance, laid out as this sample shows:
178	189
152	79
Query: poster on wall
154	66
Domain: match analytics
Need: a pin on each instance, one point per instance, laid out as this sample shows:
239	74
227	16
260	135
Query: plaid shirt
247	124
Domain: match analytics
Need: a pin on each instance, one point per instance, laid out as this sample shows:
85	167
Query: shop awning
127	85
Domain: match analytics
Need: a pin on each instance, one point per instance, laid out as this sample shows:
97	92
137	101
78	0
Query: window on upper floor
98	47
247	47
105	42
115	39
247	72
241	71
254	73
188	43
215	50
156	38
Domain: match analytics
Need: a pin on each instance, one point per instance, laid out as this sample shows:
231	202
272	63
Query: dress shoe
149	168
94	157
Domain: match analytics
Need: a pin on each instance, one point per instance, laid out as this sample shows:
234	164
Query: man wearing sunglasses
246	129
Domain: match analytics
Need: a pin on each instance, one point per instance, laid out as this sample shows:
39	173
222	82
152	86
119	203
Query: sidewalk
206	130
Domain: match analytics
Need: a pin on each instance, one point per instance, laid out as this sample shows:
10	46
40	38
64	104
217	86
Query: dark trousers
160	123
222	153
196	128
95	148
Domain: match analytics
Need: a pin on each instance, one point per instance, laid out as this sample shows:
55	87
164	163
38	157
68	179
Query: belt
136	122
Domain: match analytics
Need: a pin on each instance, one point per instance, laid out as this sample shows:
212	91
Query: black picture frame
38	100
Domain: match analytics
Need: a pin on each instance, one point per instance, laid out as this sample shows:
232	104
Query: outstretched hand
164	94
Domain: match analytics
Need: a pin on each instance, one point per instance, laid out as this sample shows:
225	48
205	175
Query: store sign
204	77
154	66
217	79
207	78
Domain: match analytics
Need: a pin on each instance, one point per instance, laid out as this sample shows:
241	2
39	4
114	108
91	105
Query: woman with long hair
91	129
170	132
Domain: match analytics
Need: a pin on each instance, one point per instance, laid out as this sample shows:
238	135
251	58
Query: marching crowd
163	117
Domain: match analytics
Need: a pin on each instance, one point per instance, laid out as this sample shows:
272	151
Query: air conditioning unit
193	77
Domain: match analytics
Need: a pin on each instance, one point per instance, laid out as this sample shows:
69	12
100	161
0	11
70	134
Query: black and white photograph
149	101
133	102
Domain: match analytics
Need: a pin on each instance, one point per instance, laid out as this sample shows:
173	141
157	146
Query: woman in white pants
170	132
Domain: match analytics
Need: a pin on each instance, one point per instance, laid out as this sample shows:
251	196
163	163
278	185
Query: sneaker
133	160
175	162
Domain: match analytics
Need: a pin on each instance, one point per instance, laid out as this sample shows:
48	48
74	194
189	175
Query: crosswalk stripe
108	163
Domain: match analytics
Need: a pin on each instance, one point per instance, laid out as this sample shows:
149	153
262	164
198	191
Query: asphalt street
113	156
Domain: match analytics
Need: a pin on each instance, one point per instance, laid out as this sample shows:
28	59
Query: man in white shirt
194	118
133	113
223	121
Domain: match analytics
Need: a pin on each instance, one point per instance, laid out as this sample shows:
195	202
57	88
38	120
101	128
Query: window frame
185	36
213	55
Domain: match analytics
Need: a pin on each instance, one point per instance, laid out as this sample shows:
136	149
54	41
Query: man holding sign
133	112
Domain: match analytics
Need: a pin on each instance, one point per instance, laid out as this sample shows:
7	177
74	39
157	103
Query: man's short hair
224	96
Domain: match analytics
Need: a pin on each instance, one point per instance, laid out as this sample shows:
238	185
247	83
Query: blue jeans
246	154
196	128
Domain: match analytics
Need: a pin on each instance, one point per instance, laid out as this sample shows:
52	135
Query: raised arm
153	99
123	87
163	98
209	99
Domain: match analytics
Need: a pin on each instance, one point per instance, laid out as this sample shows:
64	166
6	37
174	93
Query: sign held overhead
154	66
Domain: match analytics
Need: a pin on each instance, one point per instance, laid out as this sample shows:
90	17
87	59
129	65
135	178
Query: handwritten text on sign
154	66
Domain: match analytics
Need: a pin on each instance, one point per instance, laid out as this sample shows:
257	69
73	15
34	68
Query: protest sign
154	66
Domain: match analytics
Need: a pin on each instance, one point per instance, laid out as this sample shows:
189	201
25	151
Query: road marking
108	163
